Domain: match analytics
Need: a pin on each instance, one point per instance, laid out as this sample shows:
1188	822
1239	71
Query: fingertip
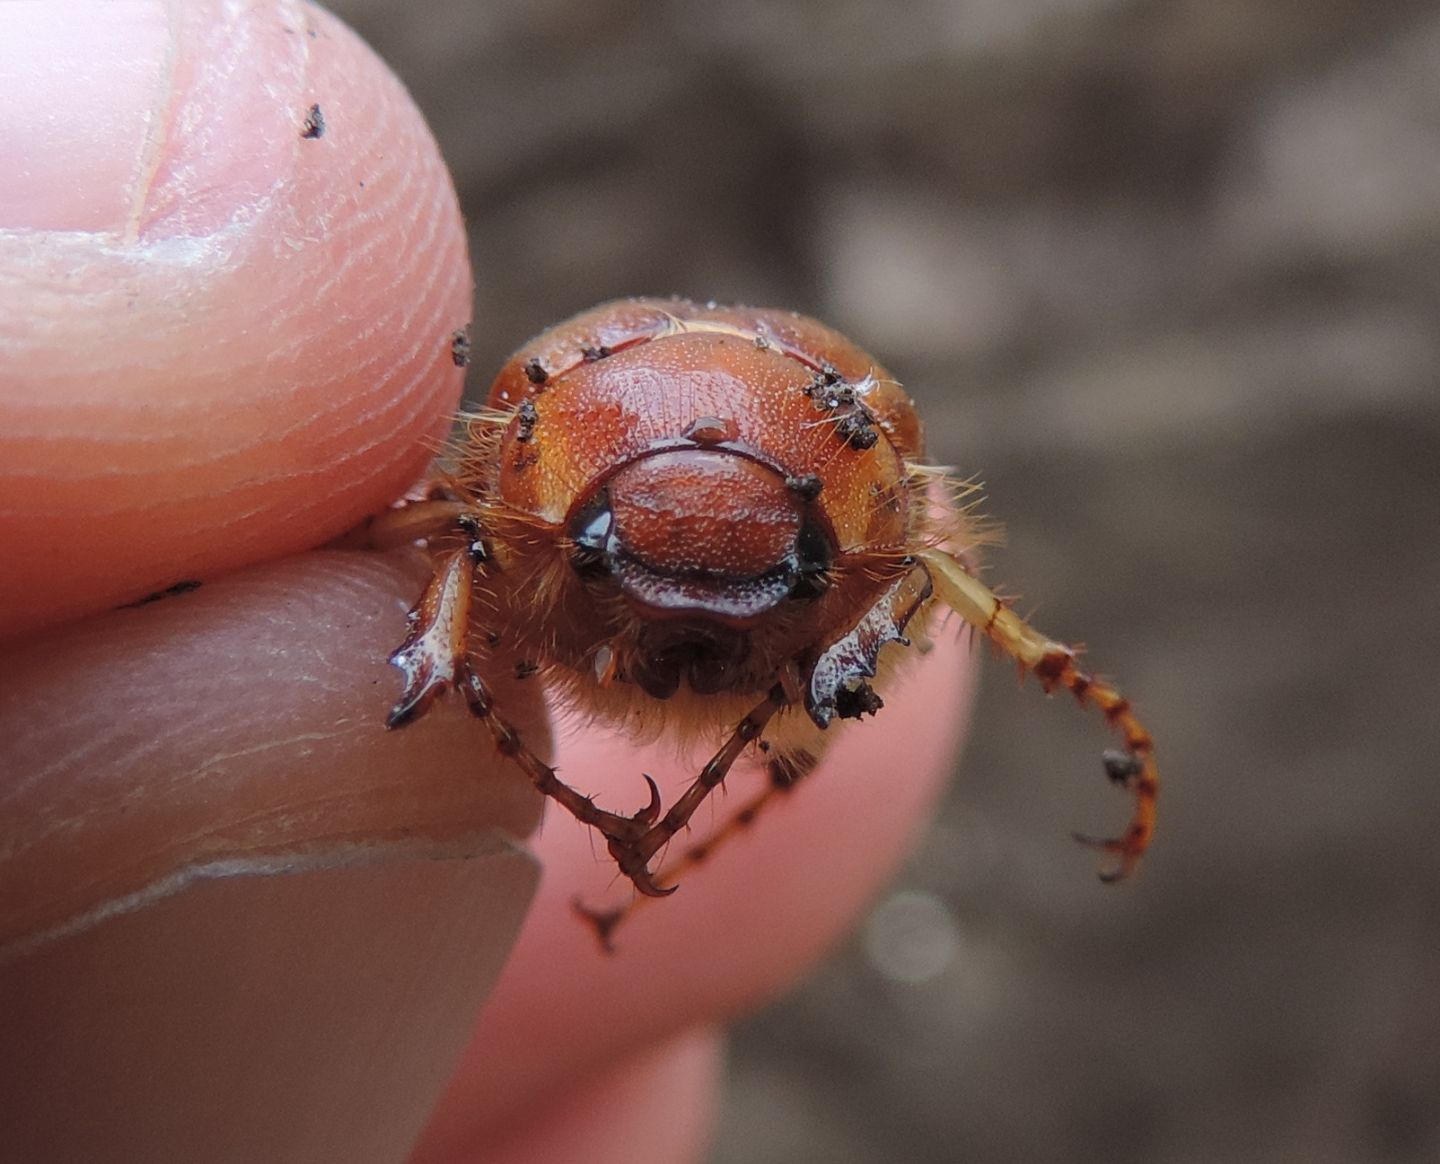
243	720
240	341
659	1105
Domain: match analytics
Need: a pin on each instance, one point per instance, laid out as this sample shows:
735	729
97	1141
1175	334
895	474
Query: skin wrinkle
383	375
403	399
231	519
436	328
429	223
73	822
126	472
364	580
78	822
356	412
377	242
415	170
318	807
219	865
105	738
389	394
200	722
431	295
42	775
392	459
362	573
219	759
424	306
215	765
312	502
192	408
361	582
408	357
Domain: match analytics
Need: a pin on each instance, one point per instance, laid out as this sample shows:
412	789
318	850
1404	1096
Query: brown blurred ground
1166	275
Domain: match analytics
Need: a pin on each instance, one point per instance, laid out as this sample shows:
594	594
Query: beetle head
705	545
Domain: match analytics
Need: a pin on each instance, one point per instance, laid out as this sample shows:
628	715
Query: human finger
234	909
231	268
660	1105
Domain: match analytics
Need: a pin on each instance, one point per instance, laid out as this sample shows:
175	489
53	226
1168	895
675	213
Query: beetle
710	522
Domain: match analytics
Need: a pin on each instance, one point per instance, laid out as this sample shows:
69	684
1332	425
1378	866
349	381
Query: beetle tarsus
1121	766
1054	664
651	812
1127	850
636	866
602	921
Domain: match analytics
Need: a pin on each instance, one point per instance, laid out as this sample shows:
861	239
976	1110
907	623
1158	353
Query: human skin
223	345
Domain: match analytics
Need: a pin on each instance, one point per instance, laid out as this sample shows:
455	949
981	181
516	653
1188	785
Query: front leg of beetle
415	521
434	651
435	657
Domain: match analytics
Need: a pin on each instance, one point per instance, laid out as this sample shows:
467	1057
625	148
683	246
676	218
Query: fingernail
83	87
146	120
308	1008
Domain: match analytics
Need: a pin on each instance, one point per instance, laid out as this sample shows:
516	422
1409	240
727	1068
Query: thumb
226	320
238	921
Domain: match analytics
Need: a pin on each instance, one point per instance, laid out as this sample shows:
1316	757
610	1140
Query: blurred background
1165	274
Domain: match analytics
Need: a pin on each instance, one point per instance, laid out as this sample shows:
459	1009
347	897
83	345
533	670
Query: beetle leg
784	772
434	657
412	522
433	653
1054	664
633	854
617	829
839	675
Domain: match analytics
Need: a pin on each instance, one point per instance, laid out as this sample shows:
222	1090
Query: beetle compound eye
592	532
814	553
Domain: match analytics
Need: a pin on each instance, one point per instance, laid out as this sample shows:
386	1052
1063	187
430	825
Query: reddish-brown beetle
710	521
